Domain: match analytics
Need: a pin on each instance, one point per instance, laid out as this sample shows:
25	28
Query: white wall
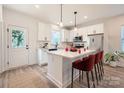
112	33
0	12
112	29
15	18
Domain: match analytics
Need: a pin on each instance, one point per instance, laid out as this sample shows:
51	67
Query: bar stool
97	67
84	59
75	65
101	62
87	66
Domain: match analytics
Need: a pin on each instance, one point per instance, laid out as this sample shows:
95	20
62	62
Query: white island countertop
71	55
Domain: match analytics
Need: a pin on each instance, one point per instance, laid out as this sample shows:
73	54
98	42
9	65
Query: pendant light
75	26
61	24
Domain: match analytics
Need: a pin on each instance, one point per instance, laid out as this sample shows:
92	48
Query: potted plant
113	58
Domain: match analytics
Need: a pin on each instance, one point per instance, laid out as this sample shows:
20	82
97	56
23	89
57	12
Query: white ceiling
51	12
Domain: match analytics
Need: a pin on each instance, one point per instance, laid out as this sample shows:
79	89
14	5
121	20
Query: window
122	39
56	37
18	40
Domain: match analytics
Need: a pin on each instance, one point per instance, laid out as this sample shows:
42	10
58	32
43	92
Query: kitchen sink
53	49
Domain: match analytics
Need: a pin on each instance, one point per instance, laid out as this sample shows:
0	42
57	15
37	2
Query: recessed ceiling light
58	23
71	22
85	17
37	6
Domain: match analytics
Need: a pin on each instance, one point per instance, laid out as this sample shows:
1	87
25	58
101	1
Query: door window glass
18	40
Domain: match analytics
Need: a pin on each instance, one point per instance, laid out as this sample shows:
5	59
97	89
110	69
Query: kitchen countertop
69	54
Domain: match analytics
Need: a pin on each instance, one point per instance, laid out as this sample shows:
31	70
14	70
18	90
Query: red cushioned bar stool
84	59
101	62
97	67
87	66
75	65
100	65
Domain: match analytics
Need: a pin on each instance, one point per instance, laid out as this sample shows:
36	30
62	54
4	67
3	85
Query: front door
17	46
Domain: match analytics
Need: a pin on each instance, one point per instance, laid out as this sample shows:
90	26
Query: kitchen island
60	65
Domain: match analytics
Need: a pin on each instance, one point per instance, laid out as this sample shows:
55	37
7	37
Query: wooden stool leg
100	66
87	74
98	72
92	78
96	75
72	78
79	76
82	75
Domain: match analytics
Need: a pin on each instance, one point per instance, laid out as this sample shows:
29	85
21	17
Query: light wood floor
35	77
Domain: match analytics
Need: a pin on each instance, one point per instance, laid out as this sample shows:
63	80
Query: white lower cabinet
42	57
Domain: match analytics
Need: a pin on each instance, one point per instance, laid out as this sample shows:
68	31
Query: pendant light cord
61	13
75	18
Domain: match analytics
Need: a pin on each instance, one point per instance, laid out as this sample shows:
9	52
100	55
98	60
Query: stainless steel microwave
78	39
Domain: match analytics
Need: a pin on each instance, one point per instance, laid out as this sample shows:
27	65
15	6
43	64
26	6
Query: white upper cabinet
65	35
84	31
73	34
44	32
93	29
96	29
79	32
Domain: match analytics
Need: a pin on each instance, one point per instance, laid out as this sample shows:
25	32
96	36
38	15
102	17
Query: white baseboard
59	84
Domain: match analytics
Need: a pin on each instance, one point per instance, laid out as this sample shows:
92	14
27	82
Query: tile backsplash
40	44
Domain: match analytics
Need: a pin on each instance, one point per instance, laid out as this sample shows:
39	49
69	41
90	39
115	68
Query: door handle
27	47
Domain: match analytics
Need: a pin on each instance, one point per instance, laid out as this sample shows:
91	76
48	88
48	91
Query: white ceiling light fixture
75	26
61	24
36	6
85	17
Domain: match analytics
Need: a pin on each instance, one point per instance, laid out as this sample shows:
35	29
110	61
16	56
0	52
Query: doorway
18	50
